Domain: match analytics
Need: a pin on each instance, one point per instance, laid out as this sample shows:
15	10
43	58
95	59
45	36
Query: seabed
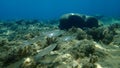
41	44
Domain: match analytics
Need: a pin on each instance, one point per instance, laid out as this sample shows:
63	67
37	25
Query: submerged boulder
71	19
77	20
91	22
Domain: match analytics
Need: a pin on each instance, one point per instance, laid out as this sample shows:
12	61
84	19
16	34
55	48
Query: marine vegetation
73	41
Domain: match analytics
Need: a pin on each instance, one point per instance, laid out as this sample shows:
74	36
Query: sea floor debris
37	44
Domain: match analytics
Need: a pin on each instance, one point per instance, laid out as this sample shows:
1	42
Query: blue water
52	9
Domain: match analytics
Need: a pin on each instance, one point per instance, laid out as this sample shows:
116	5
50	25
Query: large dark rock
91	22
76	20
69	20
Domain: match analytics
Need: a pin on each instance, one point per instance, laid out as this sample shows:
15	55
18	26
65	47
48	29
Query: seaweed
50	40
85	48
43	45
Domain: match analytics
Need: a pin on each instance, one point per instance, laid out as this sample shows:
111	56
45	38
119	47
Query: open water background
53	9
